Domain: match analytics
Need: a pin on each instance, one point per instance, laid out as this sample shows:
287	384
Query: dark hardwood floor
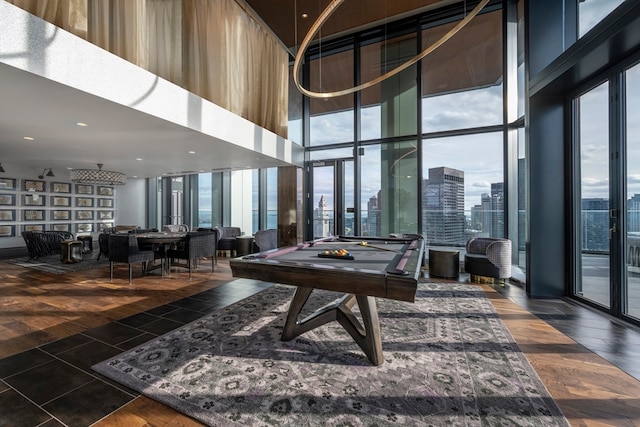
54	327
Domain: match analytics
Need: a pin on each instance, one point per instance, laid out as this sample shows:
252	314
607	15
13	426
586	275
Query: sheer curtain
212	48
230	60
70	15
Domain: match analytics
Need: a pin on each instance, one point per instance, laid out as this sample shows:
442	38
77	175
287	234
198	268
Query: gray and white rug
52	264
448	361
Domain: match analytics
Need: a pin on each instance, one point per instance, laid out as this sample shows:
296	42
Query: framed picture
7	230
105	191
84	228
105	215
33	200
61	227
31	185
33	227
84	202
7	184
60	201
84	189
60	187
61	215
105	203
104	225
84	215
7	199
7	214
33	215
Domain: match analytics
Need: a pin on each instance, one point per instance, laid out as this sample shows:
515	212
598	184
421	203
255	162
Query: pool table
373	267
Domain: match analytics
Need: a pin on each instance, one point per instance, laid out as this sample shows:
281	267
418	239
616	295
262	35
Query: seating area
44	243
489	258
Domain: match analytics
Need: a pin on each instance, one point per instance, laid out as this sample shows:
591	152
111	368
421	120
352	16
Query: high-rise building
373	214
443	207
595	224
321	219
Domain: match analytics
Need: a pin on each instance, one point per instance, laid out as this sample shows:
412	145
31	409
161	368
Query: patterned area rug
448	361
51	264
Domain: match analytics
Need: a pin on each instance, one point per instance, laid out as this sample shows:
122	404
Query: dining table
160	241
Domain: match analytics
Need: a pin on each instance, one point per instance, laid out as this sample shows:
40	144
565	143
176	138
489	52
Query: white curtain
120	26
70	15
212	48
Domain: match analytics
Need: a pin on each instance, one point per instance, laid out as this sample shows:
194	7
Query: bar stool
70	251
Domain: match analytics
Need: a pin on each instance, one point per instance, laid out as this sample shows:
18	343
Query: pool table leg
367	336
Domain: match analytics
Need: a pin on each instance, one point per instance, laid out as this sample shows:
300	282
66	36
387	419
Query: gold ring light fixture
323	18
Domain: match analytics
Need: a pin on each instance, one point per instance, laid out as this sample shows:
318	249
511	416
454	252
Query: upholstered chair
266	239
124	248
488	257
227	240
197	244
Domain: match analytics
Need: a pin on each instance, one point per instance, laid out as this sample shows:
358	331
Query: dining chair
124	248
197	244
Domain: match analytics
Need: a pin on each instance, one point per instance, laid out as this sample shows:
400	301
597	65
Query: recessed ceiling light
134	176
192	152
82	124
28	138
139	159
305	16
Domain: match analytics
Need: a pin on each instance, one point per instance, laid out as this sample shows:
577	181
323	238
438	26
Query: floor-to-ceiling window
594	191
631	119
607	143
590	12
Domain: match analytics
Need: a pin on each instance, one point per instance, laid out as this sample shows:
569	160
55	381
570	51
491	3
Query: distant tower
321	219
443	206
374	214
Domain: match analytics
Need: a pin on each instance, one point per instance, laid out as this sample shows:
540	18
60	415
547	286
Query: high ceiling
284	17
33	106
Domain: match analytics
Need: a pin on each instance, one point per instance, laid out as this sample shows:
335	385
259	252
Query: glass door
608	233
596	229
631	292
332	198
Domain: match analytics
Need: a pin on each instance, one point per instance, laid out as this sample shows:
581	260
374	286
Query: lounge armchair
488	257
266	239
227	240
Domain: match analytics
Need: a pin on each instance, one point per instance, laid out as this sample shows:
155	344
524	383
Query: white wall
131	203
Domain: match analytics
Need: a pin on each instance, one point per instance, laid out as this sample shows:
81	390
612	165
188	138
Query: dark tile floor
53	385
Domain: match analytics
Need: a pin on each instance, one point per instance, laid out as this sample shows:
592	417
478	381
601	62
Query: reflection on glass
632	80
388	108
348	199
331	119
204	200
522	201
272	198
462	84
294	132
593	134
593	11
462	190
323	201
389	185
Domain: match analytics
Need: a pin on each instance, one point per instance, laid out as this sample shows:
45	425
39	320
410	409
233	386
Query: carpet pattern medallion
448	361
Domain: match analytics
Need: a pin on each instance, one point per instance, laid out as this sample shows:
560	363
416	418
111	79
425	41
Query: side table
243	245
445	264
70	251
87	243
